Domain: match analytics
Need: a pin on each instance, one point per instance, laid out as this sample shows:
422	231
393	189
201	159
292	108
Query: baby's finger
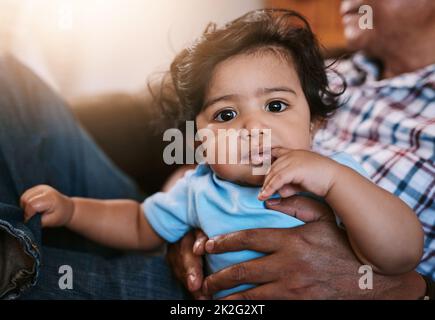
39	203
278	152
32	192
284	165
266	182
277	180
26	196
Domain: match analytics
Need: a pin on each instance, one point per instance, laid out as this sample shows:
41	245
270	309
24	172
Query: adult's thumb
285	205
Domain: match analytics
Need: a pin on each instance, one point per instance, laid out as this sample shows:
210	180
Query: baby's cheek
256	180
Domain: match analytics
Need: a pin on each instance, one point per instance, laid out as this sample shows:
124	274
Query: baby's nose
255	125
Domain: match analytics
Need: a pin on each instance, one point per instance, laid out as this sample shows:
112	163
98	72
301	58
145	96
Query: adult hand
186	261
313	261
185	256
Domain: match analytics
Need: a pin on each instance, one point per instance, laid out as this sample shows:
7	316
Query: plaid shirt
389	126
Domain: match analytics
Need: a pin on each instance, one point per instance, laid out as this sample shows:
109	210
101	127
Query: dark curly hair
183	88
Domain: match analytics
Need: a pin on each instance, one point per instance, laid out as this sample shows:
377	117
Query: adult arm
313	261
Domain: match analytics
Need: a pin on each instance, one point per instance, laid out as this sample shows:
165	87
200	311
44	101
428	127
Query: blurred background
88	47
99	54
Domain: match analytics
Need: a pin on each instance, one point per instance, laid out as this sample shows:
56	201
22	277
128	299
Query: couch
121	124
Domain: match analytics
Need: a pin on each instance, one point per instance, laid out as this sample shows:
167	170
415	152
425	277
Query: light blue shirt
202	200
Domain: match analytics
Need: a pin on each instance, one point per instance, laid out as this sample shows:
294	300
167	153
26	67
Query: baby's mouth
261	158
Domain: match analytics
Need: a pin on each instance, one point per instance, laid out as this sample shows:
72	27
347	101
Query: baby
263	72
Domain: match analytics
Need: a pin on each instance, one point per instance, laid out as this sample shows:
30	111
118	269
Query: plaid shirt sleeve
389	126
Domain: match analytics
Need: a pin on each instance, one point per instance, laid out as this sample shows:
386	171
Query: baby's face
255	91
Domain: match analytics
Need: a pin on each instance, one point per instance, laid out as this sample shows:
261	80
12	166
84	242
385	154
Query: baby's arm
115	223
382	229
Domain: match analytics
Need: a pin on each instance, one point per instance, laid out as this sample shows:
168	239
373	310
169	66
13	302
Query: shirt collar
367	71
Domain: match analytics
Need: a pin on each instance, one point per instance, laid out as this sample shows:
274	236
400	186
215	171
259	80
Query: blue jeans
41	143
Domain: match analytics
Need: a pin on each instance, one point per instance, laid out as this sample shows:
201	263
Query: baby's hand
56	208
298	170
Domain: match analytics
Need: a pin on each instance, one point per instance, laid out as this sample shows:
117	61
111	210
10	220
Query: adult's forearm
409	286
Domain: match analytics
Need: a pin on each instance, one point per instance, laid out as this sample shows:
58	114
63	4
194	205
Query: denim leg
129	276
41	143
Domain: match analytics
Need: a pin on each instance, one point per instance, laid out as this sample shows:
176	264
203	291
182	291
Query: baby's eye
276	106
225	115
